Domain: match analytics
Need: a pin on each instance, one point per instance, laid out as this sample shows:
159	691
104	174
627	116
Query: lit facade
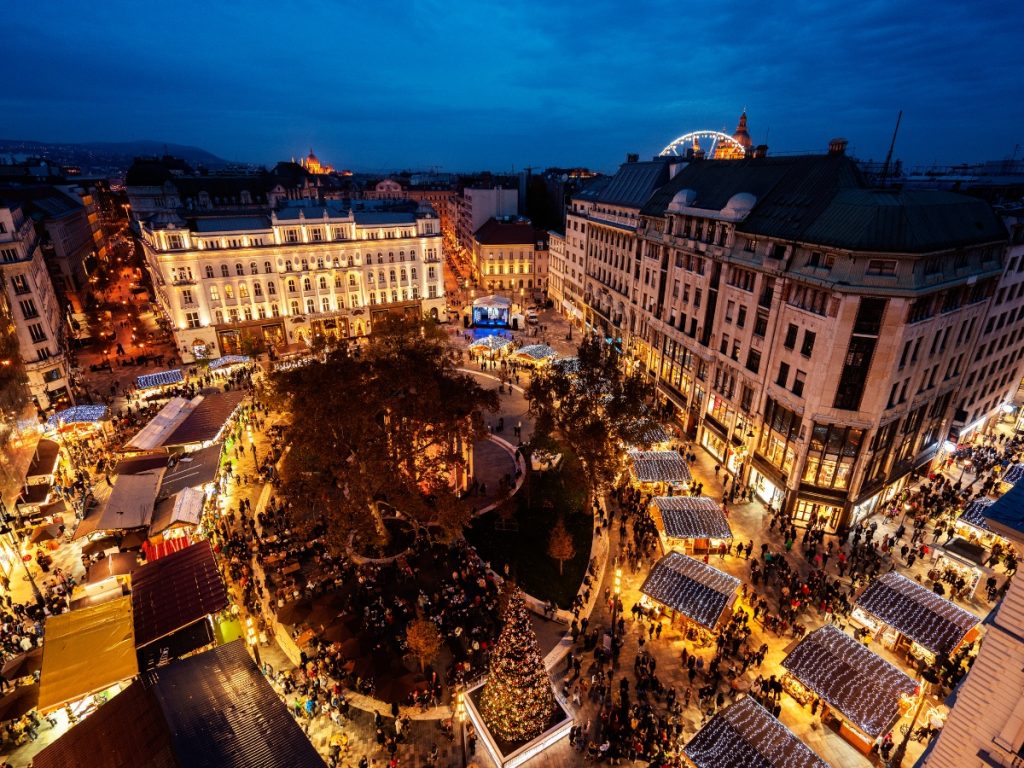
556	267
243	283
816	353
474	207
509	255
36	311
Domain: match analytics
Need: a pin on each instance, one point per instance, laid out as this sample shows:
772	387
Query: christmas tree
517	700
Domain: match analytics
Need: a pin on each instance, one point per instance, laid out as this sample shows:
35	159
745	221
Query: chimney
761	150
632	157
837	146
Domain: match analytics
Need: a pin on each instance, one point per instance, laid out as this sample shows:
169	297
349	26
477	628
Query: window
267	268
209	271
35	330
239	270
883	267
761	324
741	317
783	376
730	310
316	234
229	292
790	340
271	288
742	278
257	289
753	360
798	383
224	271
807	348
186	297
28	309
19	284
323	283
275	311
243	291
294	306
325	304
291	236
192	319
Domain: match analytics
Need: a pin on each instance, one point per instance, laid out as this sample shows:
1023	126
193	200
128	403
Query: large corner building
821	338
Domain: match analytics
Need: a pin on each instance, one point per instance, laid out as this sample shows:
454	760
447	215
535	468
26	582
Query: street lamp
460	717
253	639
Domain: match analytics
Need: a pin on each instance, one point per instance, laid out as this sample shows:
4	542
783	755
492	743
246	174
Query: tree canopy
388	424
596	403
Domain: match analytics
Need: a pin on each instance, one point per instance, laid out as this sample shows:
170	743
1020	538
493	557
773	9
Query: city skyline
415	85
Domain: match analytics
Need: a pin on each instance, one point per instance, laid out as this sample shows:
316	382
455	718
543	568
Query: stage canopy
86	651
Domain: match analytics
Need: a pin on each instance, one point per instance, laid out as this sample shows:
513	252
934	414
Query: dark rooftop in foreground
1006	516
213	710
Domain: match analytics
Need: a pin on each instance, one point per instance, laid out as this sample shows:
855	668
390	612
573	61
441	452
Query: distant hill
105	158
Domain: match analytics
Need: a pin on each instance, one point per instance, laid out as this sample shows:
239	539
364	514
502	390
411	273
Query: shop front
772	492
815	511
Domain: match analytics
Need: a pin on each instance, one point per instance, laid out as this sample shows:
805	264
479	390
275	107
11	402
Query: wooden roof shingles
859	684
929	620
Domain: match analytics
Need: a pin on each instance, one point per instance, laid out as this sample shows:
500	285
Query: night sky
466	85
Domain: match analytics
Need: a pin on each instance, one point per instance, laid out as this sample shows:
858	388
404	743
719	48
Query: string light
659	467
692	517
931	621
1013	475
79	414
162	379
226	360
536	352
859	684
744	735
696	590
493	343
974	514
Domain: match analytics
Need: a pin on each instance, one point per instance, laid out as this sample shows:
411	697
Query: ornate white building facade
269	280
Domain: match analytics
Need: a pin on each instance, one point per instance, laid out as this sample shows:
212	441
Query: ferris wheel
705	141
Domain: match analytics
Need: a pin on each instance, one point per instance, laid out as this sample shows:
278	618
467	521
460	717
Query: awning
87	651
161	379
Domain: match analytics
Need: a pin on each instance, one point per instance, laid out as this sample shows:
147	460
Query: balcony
183	281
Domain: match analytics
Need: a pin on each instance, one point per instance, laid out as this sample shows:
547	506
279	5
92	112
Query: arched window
261	311
369	278
323	283
380	258
310	306
275	311
391	257
291	285
295	306
229	292
253	268
307	284
209	271
380	277
214	293
239	270
257	289
243	291
413	271
404	274
394	295
219	316
288	266
337	281
224	270
352	280
325	304
247	311
267	268
305	265
392	275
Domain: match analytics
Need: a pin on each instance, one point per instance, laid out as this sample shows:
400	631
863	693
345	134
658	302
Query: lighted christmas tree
517	700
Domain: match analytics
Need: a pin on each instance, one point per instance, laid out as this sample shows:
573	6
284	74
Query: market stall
690	591
81	418
158	380
534	355
693	523
87	651
659	471
859	689
973	527
489	345
225	362
910	619
745	735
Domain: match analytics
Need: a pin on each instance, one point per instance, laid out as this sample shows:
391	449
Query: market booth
745	735
694	523
489	345
660	472
87	652
862	691
157	381
690	590
534	355
85	419
911	619
212	709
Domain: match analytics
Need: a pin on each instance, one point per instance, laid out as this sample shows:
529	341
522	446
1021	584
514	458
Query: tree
517	701
597	404
386	426
424	640
560	545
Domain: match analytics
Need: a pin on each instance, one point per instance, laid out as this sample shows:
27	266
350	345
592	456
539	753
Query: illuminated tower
725	151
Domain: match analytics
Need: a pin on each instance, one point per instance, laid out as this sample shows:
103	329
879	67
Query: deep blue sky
469	84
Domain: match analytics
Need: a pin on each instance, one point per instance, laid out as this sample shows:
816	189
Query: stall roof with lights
691	517
694	589
161	379
1013	474
745	735
659	467
974	513
1006	516
931	621
860	685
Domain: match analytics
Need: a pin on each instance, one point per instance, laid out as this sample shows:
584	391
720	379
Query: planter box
512	755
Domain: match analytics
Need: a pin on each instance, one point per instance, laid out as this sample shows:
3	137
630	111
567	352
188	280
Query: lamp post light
253	639
963	468
460	717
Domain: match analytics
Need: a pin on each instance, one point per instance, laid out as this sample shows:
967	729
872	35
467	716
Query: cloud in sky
466	85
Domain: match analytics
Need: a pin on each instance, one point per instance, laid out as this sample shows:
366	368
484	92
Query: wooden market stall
745	735
491	346
534	355
697	524
912	620
658	471
861	690
691	591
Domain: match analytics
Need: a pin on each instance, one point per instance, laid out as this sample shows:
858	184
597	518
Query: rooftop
861	685
633	184
691	517
511	232
696	590
659	467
